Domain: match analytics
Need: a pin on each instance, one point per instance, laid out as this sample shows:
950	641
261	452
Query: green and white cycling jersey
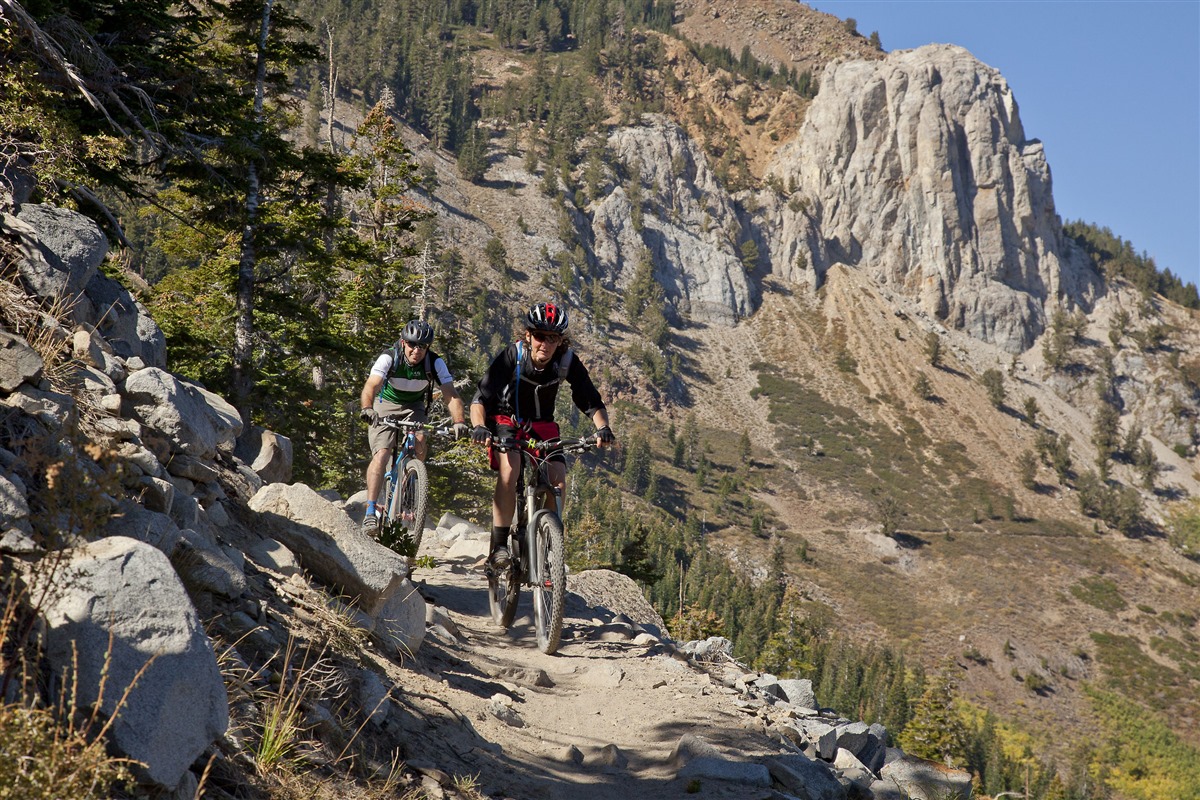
407	383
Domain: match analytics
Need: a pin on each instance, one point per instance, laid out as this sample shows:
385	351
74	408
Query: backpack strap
428	380
517	380
564	364
397	353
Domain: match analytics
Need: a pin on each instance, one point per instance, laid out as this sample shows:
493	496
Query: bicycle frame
534	491
536	539
406	487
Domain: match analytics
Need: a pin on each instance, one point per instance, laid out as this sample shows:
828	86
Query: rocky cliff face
916	169
686	230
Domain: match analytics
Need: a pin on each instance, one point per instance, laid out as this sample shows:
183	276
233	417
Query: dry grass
46	326
51	751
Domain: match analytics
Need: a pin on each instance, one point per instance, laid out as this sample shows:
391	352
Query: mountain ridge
891	483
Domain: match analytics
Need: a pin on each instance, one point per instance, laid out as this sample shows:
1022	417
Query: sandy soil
599	719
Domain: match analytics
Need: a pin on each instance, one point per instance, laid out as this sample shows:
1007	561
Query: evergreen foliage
922	387
936	730
1114	257
993	383
747	66
933	349
1141	758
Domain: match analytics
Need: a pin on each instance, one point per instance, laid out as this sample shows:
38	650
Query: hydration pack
397	353
564	364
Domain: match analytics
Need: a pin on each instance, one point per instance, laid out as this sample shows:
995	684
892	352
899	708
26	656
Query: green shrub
1184	530
993	382
1100	593
1036	682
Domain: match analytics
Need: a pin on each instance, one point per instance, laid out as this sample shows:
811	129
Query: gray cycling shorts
384	438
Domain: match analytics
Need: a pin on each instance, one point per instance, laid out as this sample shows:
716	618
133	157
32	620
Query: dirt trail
600	719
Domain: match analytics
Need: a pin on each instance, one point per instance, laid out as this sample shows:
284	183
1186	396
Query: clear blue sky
1111	88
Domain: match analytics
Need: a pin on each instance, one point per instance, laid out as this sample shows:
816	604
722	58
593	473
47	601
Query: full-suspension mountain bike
536	546
405	499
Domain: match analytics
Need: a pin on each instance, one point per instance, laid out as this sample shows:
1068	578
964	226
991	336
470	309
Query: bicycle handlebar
442	427
556	445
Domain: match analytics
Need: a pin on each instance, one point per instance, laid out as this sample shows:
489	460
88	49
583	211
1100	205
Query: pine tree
922	387
933	349
936	731
1031	410
993	382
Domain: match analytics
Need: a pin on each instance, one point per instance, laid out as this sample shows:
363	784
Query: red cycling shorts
507	427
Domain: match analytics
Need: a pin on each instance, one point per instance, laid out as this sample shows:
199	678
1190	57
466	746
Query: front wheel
549	581
414	502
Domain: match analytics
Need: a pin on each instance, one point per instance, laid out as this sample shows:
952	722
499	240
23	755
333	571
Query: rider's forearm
370	389
600	418
456	409
478	414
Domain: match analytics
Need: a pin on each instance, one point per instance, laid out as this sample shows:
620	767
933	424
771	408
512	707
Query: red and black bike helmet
547	317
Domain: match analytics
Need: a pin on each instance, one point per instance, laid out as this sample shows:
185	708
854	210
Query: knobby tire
550	590
504	588
415	500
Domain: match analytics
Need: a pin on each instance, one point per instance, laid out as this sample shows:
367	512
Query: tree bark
243	339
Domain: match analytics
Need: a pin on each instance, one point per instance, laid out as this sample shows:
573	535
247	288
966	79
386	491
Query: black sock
499	537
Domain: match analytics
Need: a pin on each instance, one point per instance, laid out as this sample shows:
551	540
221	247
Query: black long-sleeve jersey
531	397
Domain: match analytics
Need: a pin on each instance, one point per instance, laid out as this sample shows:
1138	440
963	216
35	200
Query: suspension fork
533	511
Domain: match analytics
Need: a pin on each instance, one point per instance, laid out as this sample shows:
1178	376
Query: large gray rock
196	421
125	324
823	736
16	182
60	249
805	778
333	548
921	779
694	260
400	621
267	453
52	409
618	593
155	528
14	510
916	168
203	566
128	590
799	692
724	769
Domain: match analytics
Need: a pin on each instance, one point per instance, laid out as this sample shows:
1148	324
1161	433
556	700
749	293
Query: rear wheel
504	587
549	582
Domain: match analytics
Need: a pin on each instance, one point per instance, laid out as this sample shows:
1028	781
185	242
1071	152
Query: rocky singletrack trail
602	718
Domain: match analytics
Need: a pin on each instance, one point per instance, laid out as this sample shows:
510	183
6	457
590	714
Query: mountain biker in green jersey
517	393
401	386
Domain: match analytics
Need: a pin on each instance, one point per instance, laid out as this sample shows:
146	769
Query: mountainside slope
822	375
995	587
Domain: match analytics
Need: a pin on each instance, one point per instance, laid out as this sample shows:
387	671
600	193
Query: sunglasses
542	336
